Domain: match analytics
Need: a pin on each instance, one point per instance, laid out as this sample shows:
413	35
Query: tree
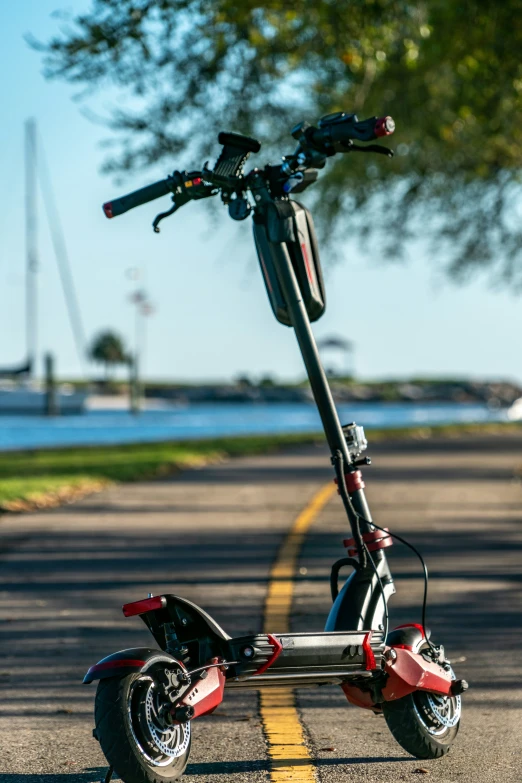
450	74
107	348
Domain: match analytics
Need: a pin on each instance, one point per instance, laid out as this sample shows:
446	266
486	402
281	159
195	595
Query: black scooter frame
360	603
357	618
196	658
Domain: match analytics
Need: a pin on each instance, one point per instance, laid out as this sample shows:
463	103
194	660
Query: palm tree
107	348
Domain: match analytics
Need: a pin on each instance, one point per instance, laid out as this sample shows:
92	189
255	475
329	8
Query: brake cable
356	529
426	580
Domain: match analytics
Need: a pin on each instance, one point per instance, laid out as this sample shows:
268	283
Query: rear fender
119	664
190	621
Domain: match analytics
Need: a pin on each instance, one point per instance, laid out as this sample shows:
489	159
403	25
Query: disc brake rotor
445	710
437	713
158	742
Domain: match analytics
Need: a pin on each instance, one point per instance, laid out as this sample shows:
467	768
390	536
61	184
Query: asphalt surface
211	535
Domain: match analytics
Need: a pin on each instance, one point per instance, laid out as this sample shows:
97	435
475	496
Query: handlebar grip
120	205
338	131
364	130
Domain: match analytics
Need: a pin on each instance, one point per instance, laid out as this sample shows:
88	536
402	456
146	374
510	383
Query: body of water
205	421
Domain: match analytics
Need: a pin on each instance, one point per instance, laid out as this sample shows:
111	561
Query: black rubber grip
120	205
365	130
340	129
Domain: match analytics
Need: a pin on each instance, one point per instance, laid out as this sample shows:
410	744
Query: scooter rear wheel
135	740
423	724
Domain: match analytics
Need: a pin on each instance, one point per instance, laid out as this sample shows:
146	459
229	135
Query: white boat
514	413
20	393
18	399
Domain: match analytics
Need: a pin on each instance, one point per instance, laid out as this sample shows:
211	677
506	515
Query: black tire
416	727
121	725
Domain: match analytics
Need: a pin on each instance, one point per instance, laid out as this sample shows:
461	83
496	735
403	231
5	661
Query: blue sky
212	319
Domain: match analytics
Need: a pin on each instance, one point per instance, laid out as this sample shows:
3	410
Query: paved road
212	535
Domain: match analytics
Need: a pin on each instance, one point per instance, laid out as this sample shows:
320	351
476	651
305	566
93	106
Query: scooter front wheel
135	739
424	724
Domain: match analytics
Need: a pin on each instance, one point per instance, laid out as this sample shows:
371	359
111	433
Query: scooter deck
259	660
304	658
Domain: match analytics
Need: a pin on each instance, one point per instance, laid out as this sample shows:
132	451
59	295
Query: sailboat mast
31	239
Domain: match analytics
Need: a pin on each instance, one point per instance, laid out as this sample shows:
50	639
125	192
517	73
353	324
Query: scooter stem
317	376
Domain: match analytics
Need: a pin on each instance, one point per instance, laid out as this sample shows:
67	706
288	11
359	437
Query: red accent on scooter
418	626
107	208
123	664
384	126
411	672
354	481
141	607
368	652
277	652
374	540
359	698
408	625
205	695
307	263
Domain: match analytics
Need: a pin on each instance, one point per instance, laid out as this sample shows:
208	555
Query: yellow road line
290	759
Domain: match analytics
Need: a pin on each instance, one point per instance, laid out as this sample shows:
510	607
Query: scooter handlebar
338	131
142	196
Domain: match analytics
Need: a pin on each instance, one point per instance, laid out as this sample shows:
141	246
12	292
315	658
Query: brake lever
372	148
162	215
188	186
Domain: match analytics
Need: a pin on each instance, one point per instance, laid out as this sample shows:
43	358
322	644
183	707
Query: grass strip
42	478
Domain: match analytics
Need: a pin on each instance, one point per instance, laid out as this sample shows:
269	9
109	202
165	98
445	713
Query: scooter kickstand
108	776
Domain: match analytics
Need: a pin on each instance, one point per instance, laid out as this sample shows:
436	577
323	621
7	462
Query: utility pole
52	404
31	239
143	309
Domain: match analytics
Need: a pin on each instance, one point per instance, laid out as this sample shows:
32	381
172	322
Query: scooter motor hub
437	713
157	741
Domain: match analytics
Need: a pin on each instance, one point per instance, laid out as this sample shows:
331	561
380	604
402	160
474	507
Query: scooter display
147	697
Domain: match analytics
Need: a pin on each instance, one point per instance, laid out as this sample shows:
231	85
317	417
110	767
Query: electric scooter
147	697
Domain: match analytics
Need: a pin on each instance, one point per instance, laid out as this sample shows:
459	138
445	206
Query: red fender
124	662
410	672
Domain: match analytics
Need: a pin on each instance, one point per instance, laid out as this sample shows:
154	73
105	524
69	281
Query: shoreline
191	423
35	479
